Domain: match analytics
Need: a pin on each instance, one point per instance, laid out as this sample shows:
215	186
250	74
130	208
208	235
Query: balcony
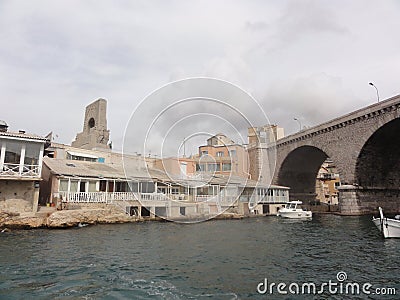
17	170
96	197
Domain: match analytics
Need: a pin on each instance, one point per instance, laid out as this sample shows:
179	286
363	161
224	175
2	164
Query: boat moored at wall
390	228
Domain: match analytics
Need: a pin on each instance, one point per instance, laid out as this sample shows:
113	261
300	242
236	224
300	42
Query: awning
81	154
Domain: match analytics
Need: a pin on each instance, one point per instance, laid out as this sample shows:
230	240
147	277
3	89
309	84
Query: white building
20	169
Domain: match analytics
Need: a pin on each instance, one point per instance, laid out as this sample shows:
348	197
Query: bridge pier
356	200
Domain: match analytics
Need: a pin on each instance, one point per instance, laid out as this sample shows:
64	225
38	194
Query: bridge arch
378	163
299	171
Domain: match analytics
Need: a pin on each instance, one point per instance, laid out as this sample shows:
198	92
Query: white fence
153	197
97	197
15	170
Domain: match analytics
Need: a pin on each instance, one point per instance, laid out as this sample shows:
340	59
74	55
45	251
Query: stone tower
95	134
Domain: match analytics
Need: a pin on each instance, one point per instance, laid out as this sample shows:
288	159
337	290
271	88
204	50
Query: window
200	167
82	158
134	186
101	159
162	189
204	152
91	123
337	184
13	153
147	187
182	210
63	185
213	167
220	154
232	153
74	186
175	191
103	185
226	167
32	152
120	186
92	186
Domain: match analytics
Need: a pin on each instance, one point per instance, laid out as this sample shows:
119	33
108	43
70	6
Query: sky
309	60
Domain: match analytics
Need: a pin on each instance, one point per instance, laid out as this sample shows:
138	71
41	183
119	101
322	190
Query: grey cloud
308	59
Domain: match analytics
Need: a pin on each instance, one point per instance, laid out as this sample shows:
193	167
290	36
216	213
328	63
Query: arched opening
378	164
299	172
91	123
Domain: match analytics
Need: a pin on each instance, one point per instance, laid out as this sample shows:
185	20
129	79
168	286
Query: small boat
390	228
292	210
80	225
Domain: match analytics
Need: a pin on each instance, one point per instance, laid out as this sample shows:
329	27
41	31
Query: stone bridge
365	147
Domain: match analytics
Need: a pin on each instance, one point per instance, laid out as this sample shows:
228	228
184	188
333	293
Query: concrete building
327	184
87	175
261	167
20	169
223	156
181	167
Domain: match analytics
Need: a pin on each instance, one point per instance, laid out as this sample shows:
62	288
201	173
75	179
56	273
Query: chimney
3	126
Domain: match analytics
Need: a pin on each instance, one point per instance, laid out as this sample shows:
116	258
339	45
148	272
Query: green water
224	259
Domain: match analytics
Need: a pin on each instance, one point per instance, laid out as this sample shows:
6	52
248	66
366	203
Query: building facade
20	169
261	167
223	156
328	181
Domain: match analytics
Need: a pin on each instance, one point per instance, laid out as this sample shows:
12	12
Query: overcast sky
306	59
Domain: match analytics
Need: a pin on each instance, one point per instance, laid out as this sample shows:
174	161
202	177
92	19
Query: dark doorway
145	212
133	211
182	210
82	187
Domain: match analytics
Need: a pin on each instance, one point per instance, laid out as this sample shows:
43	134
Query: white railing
274	199
25	171
123	196
153	197
205	198
97	197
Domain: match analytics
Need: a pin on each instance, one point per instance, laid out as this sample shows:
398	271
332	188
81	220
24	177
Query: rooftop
22	135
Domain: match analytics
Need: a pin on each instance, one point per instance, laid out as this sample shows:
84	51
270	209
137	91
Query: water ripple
212	260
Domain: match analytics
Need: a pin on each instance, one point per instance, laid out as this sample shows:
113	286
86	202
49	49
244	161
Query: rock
26	222
15	220
71	218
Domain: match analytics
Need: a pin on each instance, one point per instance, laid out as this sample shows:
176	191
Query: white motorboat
292	210
390	228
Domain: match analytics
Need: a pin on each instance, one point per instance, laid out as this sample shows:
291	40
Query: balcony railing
96	197
153	197
14	170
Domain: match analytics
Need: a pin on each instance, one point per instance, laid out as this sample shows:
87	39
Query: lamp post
298	122
377	92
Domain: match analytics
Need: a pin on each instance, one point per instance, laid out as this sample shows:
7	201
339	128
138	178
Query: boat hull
300	214
390	228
